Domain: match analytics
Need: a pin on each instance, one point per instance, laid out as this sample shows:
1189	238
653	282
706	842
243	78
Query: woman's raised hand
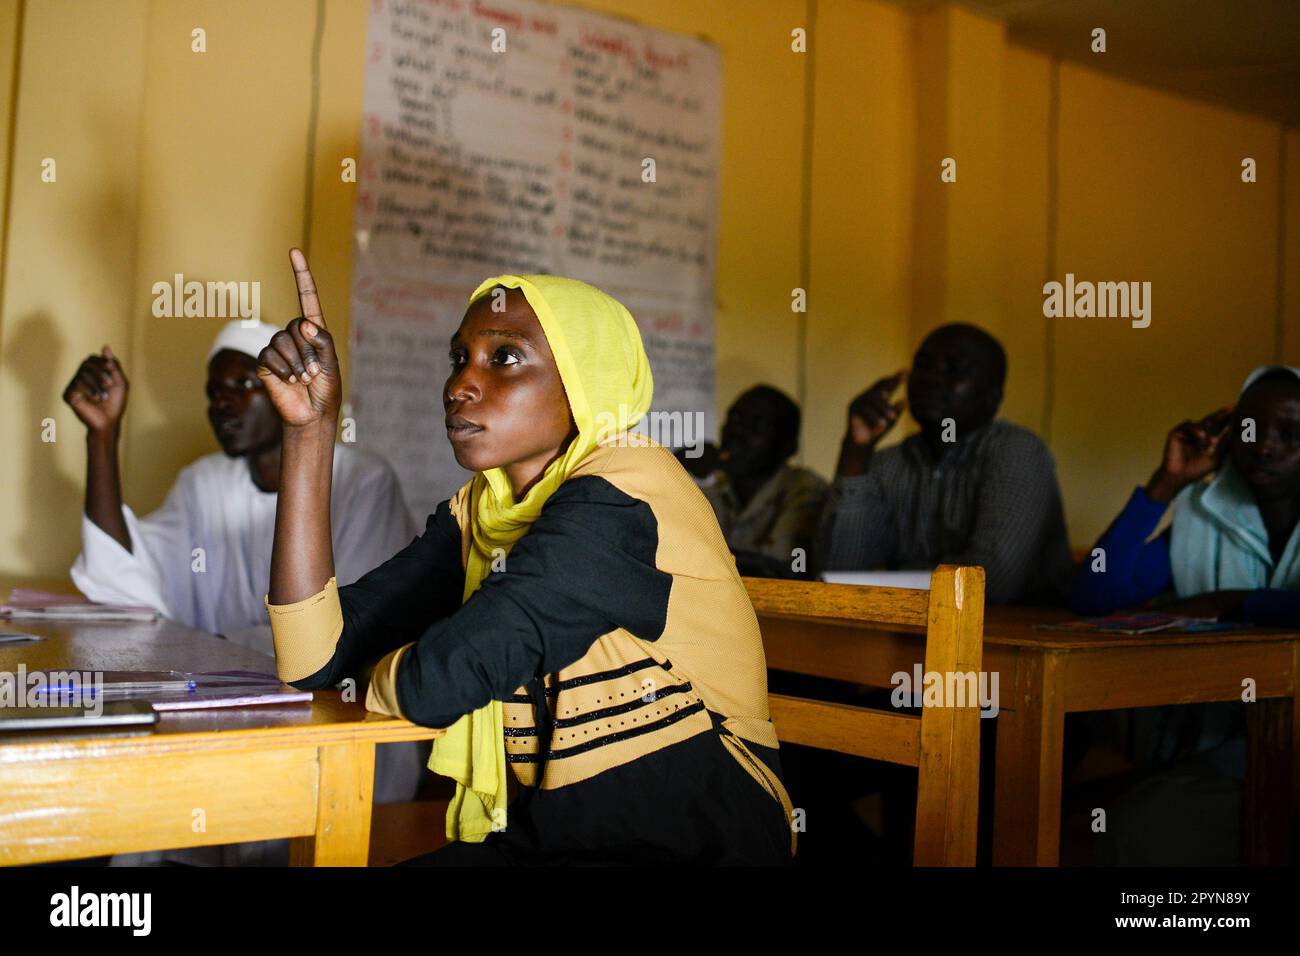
1192	451
299	367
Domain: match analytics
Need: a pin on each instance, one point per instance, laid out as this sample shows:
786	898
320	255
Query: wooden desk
304	771
1044	675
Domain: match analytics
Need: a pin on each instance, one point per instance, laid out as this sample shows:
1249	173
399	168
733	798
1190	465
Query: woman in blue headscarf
1232	538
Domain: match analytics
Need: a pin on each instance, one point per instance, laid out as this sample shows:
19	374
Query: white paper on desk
214	698
913	580
76	612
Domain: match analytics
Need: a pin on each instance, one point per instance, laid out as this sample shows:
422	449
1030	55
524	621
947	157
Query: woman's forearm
1124	568
104	486
302	559
1163	487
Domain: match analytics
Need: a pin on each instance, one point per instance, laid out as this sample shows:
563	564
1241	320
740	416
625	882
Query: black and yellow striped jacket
622	642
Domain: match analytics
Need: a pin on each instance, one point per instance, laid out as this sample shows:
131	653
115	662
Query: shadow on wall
51	501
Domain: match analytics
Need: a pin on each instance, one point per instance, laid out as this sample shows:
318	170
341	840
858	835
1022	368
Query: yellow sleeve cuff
306	633
382	694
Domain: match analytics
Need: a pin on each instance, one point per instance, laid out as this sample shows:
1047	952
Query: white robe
204	557
214	506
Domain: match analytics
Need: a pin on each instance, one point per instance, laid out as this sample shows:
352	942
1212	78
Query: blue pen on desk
132	688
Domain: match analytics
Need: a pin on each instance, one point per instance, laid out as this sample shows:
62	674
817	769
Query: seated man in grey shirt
965	490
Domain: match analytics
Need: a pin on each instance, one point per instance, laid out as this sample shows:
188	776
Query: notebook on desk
167	690
232	689
28	605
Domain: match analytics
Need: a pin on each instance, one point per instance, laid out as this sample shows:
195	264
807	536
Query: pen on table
138	687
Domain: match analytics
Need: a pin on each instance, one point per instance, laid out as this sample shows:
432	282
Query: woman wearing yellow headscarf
571	613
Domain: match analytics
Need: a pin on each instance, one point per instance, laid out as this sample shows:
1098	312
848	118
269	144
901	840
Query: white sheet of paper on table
914	580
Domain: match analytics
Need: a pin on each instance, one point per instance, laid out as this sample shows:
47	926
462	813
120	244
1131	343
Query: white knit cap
1263	370
241	335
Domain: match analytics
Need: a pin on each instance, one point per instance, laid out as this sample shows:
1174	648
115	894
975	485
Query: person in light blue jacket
1233	536
1233	480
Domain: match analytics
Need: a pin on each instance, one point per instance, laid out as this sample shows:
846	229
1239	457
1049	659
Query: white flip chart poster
512	136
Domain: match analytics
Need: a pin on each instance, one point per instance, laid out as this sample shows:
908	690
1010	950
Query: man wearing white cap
224	503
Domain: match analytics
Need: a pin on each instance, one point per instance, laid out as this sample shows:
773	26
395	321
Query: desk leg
344	792
1272	782
1027	789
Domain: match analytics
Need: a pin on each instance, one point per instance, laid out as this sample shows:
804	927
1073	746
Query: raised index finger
308	301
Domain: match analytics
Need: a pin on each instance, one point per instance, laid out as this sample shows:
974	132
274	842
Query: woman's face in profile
504	399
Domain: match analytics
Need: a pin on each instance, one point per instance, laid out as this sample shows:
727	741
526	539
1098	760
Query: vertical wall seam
805	227
1279	315
313	118
1053	202
10	153
137	317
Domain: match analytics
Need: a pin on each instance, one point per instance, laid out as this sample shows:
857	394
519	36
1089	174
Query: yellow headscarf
606	376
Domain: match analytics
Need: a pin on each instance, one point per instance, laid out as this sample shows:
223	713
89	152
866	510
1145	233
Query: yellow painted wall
172	161
957	245
221	164
70	256
1020	325
1290	253
9	10
1150	189
861	223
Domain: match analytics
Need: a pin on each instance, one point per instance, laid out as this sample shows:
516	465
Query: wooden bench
943	742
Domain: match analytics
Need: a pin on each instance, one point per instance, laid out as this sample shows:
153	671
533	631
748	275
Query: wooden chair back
943	742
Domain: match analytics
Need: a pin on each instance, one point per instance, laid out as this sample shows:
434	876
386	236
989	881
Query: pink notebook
231	689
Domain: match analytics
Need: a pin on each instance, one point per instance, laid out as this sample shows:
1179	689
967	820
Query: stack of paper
912	580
